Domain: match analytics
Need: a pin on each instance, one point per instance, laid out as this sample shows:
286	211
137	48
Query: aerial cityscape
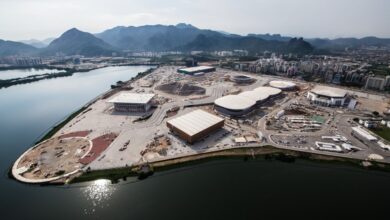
116	118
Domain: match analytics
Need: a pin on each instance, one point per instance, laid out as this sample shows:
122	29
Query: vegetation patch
383	132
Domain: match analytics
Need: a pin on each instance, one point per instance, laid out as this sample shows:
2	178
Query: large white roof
329	91
268	90
132	98
254	95
196	68
364	133
235	102
195	121
279	84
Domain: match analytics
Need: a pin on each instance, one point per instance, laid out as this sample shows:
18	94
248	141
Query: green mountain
11	48
342	43
251	44
185	37
76	42
152	37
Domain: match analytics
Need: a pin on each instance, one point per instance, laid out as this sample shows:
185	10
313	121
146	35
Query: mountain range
180	37
9	48
38	43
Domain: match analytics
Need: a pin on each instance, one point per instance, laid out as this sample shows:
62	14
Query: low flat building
362	134
132	102
195	125
196	69
327	96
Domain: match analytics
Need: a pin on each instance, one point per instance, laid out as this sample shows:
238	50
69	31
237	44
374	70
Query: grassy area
244	154
60	125
383	132
380	69
318	119
112	174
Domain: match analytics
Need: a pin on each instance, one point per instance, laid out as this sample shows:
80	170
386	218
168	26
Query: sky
40	19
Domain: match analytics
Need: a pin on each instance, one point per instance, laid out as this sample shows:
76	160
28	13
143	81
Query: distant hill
342	43
152	37
187	37
10	48
38	43
276	37
76	42
252	44
35	43
180	37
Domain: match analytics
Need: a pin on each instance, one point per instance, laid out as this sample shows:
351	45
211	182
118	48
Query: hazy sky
26	19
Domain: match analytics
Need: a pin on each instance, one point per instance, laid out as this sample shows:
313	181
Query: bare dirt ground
54	157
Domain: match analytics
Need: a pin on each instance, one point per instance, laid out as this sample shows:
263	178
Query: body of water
222	189
20	73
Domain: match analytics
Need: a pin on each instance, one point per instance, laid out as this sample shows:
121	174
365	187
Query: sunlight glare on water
99	194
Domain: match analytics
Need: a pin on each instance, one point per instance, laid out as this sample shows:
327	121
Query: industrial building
195	125
283	85
196	69
327	96
132	102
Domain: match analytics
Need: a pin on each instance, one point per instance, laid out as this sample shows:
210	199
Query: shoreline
35	78
60	124
267	152
49	133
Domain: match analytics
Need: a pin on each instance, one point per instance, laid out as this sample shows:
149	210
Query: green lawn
383	132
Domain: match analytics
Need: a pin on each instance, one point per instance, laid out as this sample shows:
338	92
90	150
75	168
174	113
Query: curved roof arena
235	102
279	84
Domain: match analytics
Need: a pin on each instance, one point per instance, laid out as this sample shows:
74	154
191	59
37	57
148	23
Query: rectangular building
132	102
195	125
196	69
362	134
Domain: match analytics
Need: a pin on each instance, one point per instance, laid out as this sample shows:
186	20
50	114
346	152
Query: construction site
171	113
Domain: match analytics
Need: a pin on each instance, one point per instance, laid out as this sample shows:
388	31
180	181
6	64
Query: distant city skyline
41	19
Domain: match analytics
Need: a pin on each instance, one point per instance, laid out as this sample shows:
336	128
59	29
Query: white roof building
196	69
254	95
327	96
235	102
363	133
283	85
195	125
132	98
329	91
266	90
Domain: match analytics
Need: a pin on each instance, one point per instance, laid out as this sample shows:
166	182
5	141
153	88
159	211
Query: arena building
132	102
255	95
282	85
234	105
195	125
269	91
196	69
242	79
327	96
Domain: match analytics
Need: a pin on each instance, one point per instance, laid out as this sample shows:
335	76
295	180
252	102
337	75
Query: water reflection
99	194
